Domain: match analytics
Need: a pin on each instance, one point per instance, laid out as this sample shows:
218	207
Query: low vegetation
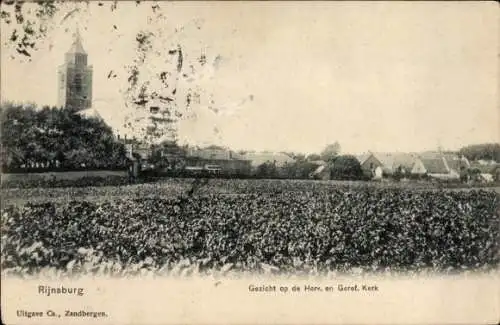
284	227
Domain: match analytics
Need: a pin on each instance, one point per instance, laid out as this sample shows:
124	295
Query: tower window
80	59
78	83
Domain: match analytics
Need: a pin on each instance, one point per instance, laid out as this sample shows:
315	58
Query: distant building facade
226	161
75	78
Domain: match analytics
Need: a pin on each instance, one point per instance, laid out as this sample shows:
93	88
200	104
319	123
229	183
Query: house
434	167
476	169
215	158
485	178
369	163
458	164
377	164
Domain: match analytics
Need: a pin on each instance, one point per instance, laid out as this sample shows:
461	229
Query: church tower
75	78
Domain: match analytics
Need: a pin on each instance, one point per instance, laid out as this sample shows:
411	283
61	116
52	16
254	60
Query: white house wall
418	168
378	173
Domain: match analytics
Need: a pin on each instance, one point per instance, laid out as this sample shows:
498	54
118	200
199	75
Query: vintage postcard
250	162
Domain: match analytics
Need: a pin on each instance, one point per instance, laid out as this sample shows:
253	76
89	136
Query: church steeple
77	46
76	54
75	77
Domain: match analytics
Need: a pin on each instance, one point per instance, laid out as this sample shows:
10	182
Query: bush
346	168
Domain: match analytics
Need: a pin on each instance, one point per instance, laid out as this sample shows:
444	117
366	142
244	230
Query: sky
295	76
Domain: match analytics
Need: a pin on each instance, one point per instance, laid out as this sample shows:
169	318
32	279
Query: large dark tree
346	167
299	169
55	137
267	170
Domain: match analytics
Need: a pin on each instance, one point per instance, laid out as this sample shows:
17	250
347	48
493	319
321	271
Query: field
182	226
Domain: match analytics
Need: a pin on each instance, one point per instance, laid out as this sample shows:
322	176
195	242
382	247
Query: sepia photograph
263	155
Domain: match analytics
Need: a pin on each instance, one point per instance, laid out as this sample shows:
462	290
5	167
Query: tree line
52	138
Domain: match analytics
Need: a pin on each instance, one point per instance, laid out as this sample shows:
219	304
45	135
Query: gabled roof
436	154
435	165
268	157
390	160
393	160
453	161
362	157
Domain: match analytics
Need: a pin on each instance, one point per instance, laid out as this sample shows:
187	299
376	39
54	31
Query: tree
30	24
168	154
299	169
398	174
48	135
330	152
266	170
486	151
346	167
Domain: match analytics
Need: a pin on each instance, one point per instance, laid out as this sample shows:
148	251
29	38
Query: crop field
186	227
175	187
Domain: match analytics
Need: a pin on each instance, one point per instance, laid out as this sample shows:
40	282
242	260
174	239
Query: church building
75	78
